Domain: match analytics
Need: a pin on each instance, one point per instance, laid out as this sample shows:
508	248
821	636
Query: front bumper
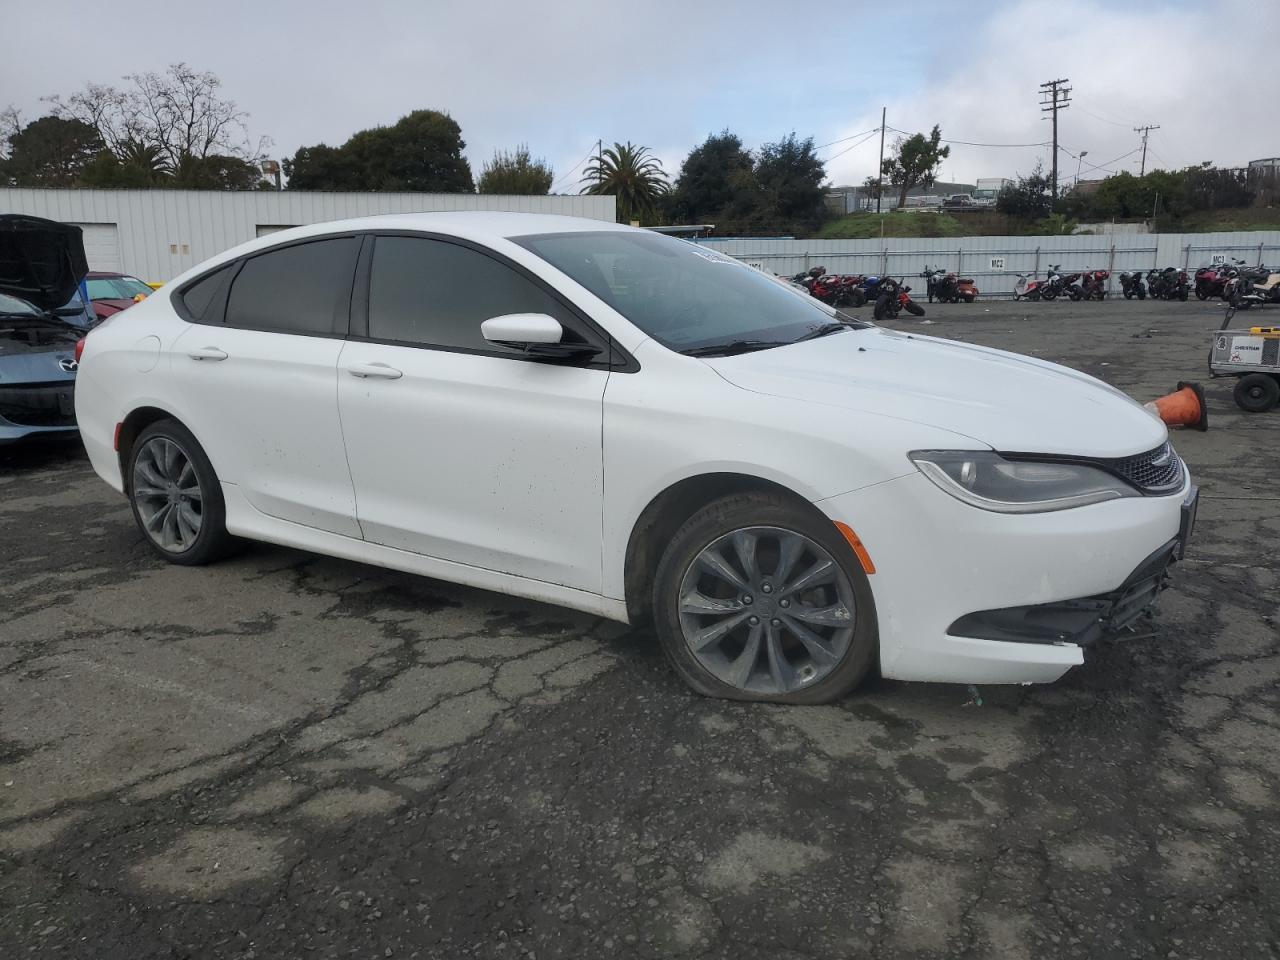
939	560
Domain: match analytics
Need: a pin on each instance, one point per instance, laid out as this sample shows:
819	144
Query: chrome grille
1156	471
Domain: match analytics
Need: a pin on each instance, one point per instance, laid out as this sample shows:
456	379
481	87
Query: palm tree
144	159
630	173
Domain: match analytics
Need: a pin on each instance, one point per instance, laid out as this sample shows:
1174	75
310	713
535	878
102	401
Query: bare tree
178	112
10	124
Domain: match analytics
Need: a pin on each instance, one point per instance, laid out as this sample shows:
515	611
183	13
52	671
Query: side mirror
535	333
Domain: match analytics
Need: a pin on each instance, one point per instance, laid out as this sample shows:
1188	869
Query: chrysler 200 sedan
627	424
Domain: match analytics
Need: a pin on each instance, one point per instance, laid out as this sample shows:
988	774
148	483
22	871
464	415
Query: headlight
987	480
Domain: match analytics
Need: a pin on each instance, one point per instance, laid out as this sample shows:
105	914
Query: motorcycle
1057	283
1028	289
1168	284
1211	281
1249	287
1094	284
947	288
1131	285
892	298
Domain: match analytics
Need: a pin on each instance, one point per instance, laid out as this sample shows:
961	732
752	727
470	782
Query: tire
1257	392
1128	294
169	478
914	308
882	310
1201	293
858	297
1048	293
728	667
1142	293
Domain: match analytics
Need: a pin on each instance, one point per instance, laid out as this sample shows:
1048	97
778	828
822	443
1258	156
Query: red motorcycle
895	297
1212	281
1093	285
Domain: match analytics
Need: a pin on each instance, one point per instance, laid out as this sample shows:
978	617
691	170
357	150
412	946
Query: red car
113	292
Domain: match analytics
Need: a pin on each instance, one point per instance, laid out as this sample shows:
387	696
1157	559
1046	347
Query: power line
971	143
843	139
851	146
1114	123
571	171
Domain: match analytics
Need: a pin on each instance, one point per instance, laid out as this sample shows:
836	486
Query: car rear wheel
176	497
759	598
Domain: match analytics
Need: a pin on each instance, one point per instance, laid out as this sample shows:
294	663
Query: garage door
266	228
101	245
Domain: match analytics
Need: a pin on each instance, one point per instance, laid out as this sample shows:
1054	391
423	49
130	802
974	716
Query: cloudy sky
558	74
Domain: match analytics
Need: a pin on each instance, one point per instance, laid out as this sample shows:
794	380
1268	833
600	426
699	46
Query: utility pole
600	160
880	169
1145	131
1054	96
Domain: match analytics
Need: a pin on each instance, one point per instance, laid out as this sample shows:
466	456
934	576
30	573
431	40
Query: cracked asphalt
286	755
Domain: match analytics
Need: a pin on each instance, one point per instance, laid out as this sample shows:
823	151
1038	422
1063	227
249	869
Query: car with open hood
631	425
42	317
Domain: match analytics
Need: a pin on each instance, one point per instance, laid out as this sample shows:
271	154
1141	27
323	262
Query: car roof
481	226
108	275
474	224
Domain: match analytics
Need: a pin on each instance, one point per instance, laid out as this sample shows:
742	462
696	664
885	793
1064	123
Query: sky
559	74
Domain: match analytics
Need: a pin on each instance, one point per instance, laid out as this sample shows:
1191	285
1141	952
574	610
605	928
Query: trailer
1252	356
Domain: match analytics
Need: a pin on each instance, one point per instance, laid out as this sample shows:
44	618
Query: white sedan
619	422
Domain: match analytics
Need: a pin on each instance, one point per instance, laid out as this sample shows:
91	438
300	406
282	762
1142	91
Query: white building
157	234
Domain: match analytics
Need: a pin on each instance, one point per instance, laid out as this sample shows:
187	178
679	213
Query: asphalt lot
290	756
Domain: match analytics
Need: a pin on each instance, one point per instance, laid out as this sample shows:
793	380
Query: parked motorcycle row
1085	285
1240	285
1235	282
890	296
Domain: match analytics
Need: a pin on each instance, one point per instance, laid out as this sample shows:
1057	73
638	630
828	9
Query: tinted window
300	289
437	293
198	297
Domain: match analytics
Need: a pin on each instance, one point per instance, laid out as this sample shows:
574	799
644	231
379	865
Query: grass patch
864	226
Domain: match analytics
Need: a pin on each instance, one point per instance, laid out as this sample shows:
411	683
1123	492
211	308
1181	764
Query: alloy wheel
766	610
167	494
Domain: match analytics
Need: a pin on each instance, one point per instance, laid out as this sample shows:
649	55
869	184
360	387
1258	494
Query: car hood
41	261
1008	402
105	306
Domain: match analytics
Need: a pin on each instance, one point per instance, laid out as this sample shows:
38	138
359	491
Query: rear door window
303	288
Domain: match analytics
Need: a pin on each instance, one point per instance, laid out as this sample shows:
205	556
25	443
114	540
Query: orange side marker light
859	550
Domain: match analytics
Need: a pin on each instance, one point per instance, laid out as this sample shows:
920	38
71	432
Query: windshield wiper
733	347
823	330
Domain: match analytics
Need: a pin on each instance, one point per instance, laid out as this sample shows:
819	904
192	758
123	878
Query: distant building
1270	166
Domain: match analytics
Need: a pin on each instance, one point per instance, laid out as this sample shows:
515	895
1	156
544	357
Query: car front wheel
760	598
176	498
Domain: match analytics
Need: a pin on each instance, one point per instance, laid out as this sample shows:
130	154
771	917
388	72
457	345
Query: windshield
684	296
16	307
116	288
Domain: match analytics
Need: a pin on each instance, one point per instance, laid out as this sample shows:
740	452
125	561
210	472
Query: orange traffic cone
1184	407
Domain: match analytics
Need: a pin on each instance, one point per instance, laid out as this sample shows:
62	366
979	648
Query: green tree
516	173
790	177
1207	187
420	152
915	162
716	182
216	172
633	175
1030	198
51	152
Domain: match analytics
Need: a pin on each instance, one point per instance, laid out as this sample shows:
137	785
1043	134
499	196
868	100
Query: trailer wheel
1257	392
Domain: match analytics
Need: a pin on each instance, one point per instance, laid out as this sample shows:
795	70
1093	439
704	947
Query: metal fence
995	263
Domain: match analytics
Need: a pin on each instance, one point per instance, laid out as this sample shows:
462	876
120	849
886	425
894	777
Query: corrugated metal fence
995	262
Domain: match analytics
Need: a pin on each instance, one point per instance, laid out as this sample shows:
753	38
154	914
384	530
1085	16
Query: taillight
79	349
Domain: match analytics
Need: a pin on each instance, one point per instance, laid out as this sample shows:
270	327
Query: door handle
207	353
377	371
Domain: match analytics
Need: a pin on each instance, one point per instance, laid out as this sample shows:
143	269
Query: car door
460	449
258	372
